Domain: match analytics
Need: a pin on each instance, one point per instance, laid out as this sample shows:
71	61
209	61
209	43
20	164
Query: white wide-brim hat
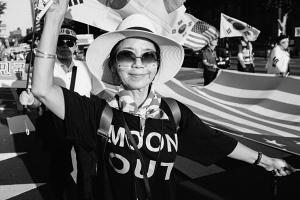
136	25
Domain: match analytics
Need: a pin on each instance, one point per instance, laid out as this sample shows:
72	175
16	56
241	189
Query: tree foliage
286	5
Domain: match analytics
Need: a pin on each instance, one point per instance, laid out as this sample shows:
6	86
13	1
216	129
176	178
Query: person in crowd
30	55
278	62
209	57
2	48
73	75
134	58
223	54
269	46
5	51
245	56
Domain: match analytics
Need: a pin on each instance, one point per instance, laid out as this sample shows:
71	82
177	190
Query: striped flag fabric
75	2
200	34
260	107
107	15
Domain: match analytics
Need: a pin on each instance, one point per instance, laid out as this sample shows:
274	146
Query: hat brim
171	56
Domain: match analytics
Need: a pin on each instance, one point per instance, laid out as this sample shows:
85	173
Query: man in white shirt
74	75
279	59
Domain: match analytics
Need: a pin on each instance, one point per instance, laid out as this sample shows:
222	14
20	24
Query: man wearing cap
73	75
209	58
279	59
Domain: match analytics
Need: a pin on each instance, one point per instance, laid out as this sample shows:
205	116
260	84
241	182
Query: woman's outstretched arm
278	166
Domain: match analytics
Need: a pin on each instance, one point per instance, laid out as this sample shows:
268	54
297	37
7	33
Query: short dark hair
281	37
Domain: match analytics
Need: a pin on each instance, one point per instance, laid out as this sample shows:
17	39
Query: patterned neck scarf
149	109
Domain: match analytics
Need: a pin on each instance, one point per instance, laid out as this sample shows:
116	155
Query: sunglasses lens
128	57
125	57
149	58
69	43
60	43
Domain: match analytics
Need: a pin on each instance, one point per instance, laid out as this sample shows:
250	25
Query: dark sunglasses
62	42
128	57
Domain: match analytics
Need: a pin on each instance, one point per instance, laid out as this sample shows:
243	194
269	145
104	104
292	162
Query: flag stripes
75	2
248	105
200	34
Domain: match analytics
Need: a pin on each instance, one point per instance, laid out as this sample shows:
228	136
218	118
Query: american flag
200	34
258	107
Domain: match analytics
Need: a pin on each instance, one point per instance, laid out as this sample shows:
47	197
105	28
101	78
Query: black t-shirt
159	145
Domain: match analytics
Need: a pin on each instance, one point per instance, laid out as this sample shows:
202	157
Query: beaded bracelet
41	54
259	156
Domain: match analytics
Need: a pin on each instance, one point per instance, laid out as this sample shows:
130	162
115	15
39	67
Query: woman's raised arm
43	87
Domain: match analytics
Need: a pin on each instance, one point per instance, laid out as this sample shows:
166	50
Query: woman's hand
26	98
278	167
58	9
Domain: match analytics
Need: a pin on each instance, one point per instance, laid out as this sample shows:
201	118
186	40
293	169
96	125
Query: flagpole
33	13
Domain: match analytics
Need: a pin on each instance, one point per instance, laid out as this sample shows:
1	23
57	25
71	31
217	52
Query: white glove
26	98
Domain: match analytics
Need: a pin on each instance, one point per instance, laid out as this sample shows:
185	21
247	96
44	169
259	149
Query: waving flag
259	107
93	13
231	27
168	16
200	34
75	2
107	15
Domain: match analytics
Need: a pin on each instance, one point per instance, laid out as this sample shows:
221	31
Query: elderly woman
133	58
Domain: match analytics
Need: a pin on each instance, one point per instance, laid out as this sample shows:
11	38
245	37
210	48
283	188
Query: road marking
5	156
9	191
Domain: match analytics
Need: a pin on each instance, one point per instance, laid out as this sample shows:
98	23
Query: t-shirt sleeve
82	118
199	142
204	55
